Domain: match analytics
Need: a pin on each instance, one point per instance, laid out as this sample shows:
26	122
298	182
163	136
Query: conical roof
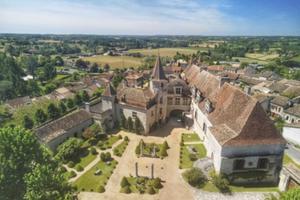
109	91
158	71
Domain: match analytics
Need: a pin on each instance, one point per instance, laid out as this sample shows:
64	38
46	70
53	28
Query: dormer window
178	90
199	96
208	106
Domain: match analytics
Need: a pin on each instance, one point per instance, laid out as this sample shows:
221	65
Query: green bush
157	183
101	189
150	190
195	177
138	150
105	156
63	169
163	152
79	168
124	182
71	164
126	138
119	137
165	145
193	157
93	151
72	174
220	182
126	190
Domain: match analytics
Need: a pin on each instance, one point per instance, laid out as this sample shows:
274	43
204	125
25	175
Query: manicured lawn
115	61
84	161
61	76
163	51
108	142
287	160
140	184
250	60
90	182
148	150
186	137
119	150
185	161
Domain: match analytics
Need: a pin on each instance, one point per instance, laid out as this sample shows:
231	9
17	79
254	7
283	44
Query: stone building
239	137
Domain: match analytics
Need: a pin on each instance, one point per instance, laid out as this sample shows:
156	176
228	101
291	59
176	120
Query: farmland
115	61
163	51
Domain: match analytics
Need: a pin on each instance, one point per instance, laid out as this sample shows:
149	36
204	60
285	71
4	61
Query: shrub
192	157
220	182
71	164
79	168
138	150
101	189
163	152
94	151
124	182
126	138
116	152
126	190
165	145
157	183
119	137
181	143
72	174
150	190
105	156
195	177
63	169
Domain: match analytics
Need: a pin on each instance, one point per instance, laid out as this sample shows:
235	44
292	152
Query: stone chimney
87	106
247	90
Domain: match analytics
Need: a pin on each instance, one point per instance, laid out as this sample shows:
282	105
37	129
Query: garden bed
119	150
190	153
140	185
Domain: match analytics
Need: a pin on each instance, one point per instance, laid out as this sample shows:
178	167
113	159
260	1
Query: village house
278	105
239	137
292	114
135	80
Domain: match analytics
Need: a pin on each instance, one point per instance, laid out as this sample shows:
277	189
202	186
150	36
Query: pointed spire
158	71
109	91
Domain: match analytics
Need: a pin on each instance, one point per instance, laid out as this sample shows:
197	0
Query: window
185	101
262	163
178	90
177	101
238	164
160	111
204	128
134	114
170	100
161	100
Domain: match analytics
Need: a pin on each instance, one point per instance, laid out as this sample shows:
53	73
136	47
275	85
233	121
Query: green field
163	51
115	61
262	56
187	137
185	161
250	60
296	58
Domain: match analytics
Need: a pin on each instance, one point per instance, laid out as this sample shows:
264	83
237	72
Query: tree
81	64
165	145
130	124
58	61
62	107
124	123
53	111
40	116
77	99
49	71
138	126
70	103
27	122
69	149
46	182
106	67
19	150
124	182
85	96
163	152
94	68
195	177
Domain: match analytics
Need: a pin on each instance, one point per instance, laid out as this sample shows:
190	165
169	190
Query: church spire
158	71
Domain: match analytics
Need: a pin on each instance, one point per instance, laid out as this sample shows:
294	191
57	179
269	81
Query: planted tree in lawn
69	149
62	107
40	116
27	122
138	126
195	177
85	96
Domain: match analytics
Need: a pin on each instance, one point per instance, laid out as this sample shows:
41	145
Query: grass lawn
90	182
108	142
296	58
187	137
61	76
148	149
250	60
163	51
30	110
119	150
84	161
262	56
287	160
115	61
209	187
185	161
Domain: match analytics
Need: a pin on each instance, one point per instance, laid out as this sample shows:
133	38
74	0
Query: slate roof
280	101
158	71
58	127
295	110
278	87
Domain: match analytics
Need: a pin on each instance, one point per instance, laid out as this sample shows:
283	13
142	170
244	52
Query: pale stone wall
53	144
292	134
291	118
278	110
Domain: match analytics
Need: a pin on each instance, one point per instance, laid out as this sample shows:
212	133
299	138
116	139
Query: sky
151	17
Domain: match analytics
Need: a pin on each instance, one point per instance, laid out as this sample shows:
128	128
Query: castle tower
109	98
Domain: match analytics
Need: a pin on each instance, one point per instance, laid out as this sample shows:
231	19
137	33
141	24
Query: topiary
119	137
93	151
79	168
157	183
124	182
72	174
71	164
101	189
195	177
150	190
126	138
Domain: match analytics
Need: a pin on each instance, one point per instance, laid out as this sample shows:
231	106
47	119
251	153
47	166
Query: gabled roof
109	91
280	101
158	71
295	110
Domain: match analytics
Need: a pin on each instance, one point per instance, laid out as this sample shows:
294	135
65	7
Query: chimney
247	90
87	106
